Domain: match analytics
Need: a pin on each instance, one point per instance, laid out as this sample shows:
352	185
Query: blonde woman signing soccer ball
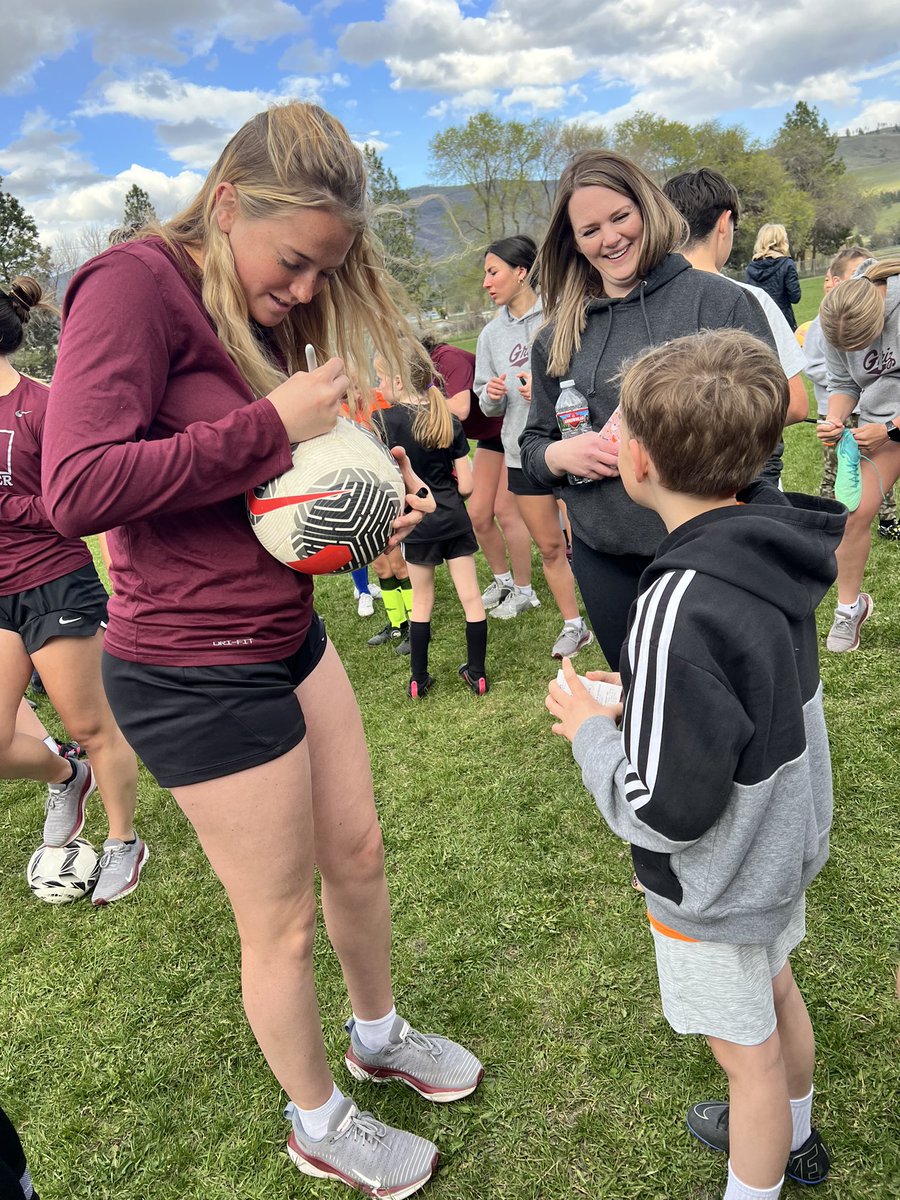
180	385
861	324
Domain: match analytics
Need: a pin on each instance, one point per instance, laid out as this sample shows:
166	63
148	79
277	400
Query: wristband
892	431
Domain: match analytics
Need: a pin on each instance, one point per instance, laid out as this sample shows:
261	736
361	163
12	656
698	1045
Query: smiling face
609	232
501	281
282	261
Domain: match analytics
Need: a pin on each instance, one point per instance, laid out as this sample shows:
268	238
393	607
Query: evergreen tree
21	253
138	208
394	224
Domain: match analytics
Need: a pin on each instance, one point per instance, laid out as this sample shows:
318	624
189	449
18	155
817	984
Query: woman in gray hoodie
860	321
503	387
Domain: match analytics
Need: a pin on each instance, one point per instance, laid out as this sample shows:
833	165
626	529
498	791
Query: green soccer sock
406	591
392	598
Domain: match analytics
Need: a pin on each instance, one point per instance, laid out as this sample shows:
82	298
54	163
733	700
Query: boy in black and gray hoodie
720	775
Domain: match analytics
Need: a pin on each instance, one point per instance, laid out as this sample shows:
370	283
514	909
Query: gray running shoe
120	869
515	603
494	594
64	808
433	1066
844	633
361	1152
570	641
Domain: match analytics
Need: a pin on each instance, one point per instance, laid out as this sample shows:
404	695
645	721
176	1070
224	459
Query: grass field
127	1064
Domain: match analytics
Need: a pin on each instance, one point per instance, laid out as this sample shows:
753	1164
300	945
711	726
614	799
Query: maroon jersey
458	369
32	552
153	435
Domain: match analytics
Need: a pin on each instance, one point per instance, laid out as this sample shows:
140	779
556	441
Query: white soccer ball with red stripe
334	509
61	874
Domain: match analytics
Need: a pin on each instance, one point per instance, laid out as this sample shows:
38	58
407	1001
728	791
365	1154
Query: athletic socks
374	1034
524	589
505	580
576	623
740	1191
419	637
392	598
315	1120
850	610
476	647
50	743
406	593
801	1114
360	579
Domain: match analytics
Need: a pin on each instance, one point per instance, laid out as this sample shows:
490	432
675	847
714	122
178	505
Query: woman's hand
525	389
496	388
586	454
419	500
829	431
309	402
870	437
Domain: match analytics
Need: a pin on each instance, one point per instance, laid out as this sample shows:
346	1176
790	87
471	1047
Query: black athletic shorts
72	606
495	444
432	554
192	724
520	484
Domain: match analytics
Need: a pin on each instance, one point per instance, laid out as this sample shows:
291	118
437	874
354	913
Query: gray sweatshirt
871	376
504	347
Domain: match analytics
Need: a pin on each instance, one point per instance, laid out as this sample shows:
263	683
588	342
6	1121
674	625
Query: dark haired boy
720	776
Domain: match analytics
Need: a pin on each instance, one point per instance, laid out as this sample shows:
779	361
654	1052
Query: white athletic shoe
365	605
516	602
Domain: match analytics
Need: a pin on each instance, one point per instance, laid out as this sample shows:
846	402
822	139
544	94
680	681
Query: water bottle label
573	419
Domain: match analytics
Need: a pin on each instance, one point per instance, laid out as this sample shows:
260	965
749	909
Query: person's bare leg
542	518
518	539
853	552
486	467
759	1118
70	669
256	828
23	754
795	1033
465	580
348	847
422	579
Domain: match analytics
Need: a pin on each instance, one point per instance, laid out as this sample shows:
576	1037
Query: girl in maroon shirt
180	385
52	614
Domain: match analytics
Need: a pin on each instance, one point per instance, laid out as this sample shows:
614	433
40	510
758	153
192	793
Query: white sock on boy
374	1034
801	1114
740	1191
315	1120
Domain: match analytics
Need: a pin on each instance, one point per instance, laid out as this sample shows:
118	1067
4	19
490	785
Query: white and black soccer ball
333	510
61	874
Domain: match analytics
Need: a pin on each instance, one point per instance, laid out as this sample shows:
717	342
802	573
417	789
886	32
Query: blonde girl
860	321
180	385
421	422
773	270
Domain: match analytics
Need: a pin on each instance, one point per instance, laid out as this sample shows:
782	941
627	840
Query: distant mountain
873	158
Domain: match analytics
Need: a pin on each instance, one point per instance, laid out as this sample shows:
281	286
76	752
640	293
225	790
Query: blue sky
98	94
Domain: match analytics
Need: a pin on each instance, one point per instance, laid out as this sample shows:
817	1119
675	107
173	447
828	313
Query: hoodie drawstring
609	310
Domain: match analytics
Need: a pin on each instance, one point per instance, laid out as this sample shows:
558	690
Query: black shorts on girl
192	724
494	444
432	554
72	606
520	485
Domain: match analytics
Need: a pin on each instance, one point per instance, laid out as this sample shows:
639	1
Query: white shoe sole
326	1172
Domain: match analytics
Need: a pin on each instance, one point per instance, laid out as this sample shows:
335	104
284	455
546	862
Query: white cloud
170	30
875	113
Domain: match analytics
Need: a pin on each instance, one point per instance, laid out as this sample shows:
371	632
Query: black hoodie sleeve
541	428
791	282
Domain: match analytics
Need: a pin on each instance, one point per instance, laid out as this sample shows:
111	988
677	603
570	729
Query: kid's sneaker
365	605
495	593
570	641
844	632
361	1152
433	1066
64	808
476	683
419	688
848	481
708	1122
514	604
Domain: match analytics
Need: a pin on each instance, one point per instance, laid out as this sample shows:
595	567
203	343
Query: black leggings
609	587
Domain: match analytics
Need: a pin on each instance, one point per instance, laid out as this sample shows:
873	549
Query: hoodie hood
779	547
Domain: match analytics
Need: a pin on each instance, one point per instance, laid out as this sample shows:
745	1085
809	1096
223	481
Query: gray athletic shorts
724	990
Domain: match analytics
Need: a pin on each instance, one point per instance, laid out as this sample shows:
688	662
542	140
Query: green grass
881	177
128	1066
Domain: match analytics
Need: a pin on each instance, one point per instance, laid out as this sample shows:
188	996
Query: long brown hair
852	314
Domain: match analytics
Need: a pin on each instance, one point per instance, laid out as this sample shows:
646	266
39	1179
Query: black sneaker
476	683
889	530
419	688
383	636
402	633
708	1122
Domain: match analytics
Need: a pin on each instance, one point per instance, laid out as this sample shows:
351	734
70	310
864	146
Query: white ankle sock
801	1113
50	743
850	610
740	1191
374	1034
505	580
575	623
526	589
315	1120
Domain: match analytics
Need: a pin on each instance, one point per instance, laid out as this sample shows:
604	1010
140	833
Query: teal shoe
848	482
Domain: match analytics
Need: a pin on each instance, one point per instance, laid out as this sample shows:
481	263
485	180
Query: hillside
874	158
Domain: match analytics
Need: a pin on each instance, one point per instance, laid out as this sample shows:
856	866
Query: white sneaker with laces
365	605
495	593
844	632
515	603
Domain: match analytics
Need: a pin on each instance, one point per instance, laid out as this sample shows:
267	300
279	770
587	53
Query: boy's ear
723	222
640	460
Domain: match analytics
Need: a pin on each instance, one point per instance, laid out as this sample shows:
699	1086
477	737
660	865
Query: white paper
603	693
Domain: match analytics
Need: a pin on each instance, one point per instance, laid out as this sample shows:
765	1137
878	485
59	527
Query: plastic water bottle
572	417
